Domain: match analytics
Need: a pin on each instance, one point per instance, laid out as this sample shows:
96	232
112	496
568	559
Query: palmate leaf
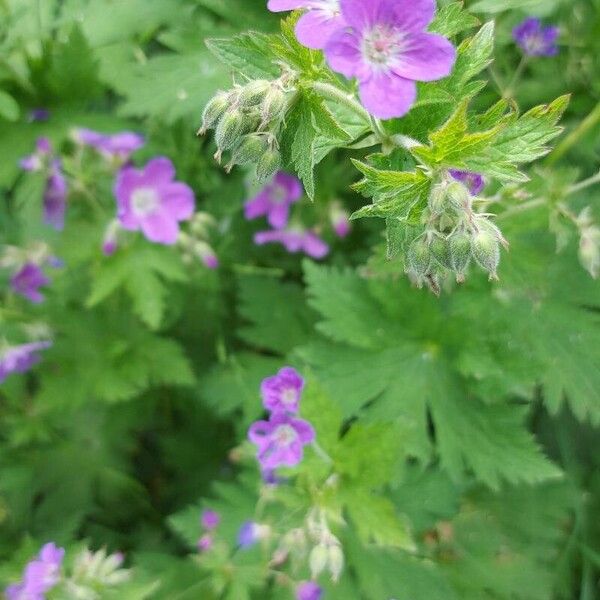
401	369
453	19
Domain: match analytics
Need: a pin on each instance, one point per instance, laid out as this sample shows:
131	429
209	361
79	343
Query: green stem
336	95
510	90
522	208
582	185
584	127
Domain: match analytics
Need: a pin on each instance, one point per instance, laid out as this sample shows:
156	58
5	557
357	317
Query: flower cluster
40	575
55	191
454	233
247	120
275	201
536	40
280	441
381	43
209	521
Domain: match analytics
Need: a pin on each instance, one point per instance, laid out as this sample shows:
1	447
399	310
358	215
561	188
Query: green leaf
9	108
453	19
247	53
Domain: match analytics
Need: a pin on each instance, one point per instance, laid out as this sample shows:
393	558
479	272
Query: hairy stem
582	185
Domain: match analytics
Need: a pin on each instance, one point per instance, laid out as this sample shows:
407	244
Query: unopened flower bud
437	199
254	93
268	164
213	111
460	253
336	561
250	150
318	560
419	256
589	250
229	130
486	251
274	104
440	250
459	195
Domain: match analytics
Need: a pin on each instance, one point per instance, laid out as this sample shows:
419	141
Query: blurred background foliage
122	433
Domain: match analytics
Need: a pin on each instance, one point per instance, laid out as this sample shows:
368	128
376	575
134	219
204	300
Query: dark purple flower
119	145
55	197
315	27
275	199
474	182
281	393
210	519
150	200
536	40
39	114
205	543
27	281
294	240
386	48
280	441
309	590
251	533
40	575
19	359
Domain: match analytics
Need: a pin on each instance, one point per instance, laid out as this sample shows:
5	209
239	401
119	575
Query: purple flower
110	242
536	40
280	441
27	281
315	27
309	590
474	182
39	114
150	200
275	200
281	393
19	359
251	533
37	160
55	197
205	543
119	145
294	240
386	48
40	575
210	519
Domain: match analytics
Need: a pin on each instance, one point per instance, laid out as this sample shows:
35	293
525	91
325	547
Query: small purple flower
39	114
474	182
37	160
315	27
210	519
251	533
386	48
110	242
536	40
205	543
19	359
281	393
55	197
340	220
150	200
119	145
309	590
280	441
40	575
275	199
27	282
294	240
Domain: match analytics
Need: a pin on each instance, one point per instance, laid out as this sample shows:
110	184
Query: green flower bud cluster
454	236
247	120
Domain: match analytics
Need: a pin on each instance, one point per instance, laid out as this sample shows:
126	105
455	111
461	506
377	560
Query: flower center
285	435
144	201
382	45
288	397
279	195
